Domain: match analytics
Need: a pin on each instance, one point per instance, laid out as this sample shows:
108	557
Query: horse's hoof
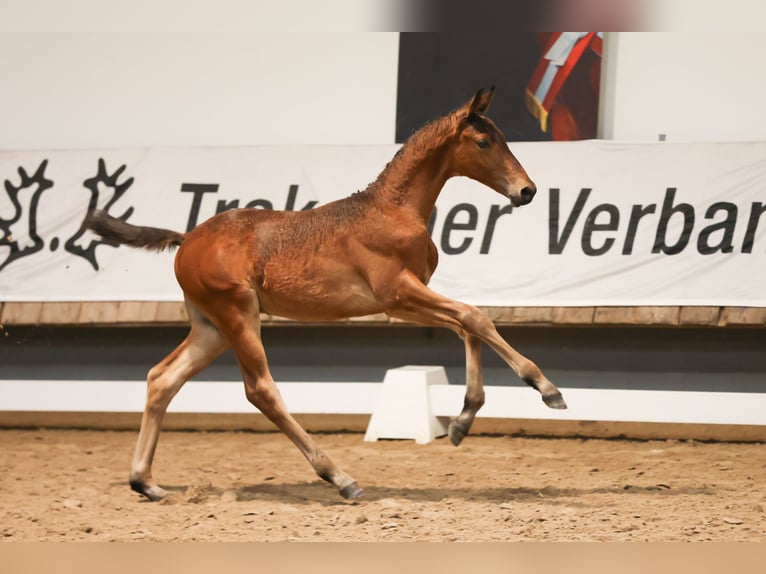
152	492
456	434
555	401
351	491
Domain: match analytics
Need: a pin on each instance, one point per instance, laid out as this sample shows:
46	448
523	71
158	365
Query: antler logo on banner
104	191
19	232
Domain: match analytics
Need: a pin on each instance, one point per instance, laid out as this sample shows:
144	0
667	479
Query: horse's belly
316	296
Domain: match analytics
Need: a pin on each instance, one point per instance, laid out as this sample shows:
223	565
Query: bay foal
368	253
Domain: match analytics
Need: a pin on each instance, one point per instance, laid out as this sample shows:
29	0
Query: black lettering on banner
756	210
636	214
261	204
494	213
590	226
727	226
668	211
603	217
432	222
556	242
451	225
292	195
225	205
198	189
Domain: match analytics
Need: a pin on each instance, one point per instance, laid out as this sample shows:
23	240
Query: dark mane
417	146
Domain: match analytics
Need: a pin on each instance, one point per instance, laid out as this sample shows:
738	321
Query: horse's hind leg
203	344
239	319
263	393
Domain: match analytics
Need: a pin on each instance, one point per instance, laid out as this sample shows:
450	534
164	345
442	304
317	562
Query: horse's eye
483	143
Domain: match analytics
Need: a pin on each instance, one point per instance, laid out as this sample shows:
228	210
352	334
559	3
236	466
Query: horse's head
483	154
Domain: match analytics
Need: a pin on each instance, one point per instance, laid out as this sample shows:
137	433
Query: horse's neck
414	180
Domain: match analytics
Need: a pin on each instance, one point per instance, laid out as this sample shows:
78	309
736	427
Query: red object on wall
567	103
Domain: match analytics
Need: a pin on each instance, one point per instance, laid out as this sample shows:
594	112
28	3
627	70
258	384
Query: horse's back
299	264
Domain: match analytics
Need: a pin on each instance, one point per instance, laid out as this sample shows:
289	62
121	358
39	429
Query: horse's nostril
527	194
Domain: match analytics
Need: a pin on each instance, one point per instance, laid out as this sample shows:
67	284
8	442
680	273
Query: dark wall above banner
547	83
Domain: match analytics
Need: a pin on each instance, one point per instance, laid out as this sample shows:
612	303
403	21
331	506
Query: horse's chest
419	255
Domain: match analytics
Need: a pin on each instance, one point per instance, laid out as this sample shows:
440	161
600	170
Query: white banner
612	224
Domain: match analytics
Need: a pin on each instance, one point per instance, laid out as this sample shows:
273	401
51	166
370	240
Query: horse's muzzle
527	194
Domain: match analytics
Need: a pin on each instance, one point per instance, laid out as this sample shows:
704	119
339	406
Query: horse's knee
475	322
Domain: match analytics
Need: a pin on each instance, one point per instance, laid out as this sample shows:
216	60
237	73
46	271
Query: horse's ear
480	102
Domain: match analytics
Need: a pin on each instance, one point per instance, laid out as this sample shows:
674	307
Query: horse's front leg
474	391
408	298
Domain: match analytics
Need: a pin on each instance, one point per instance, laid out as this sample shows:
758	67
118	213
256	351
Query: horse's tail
118	232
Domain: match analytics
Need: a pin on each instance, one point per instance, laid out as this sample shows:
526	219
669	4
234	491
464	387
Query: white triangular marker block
403	409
